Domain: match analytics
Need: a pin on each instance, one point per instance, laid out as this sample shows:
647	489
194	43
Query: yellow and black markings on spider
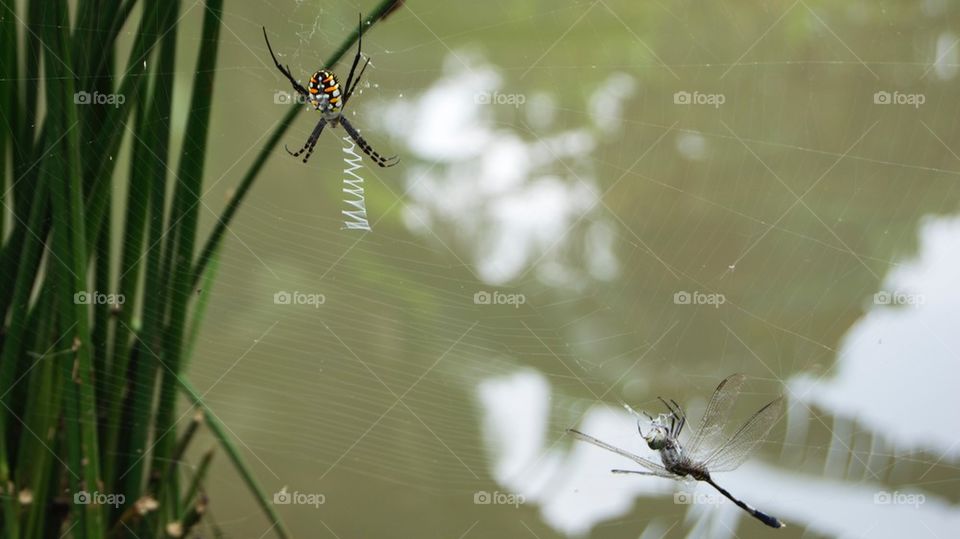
325	83
327	96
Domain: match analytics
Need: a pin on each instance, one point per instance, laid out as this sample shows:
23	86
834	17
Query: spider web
597	200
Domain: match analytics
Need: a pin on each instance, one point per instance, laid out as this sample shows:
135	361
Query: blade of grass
8	101
153	26
84	40
25	141
220	433
179	247
204	292
199	478
154	136
31	72
101	309
12	342
137	208
26	154
70	246
191	518
94	70
21	104
162	481
24	231
106	38
36	460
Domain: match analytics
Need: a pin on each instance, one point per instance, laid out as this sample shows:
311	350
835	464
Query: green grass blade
184	216
131	262
70	247
204	293
42	414
199	478
8	102
223	438
154	24
101	310
13	340
154	137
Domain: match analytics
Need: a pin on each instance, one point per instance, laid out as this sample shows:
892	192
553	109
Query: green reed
89	391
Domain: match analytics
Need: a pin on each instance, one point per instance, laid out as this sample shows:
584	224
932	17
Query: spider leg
285	70
365	146
348	93
683	416
311	141
356	59
677	419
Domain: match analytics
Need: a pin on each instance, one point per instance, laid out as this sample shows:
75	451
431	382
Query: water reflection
905	345
906	334
510	193
576	492
513	194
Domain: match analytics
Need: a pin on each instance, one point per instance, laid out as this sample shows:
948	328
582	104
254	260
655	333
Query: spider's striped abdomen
325	88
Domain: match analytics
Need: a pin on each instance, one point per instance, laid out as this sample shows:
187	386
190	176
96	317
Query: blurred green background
598	198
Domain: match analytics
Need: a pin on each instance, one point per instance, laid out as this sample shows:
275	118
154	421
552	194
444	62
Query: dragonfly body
710	449
674	460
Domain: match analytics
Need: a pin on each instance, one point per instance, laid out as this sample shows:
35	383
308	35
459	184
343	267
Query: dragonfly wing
648	464
739	446
710	433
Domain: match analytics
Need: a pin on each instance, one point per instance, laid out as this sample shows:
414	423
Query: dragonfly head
656	437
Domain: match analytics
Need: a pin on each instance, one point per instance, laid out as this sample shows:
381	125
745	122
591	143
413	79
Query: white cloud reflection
898	366
511	196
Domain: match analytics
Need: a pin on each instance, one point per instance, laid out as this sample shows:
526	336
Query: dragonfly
711	449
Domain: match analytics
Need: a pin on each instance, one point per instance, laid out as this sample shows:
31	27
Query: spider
324	92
